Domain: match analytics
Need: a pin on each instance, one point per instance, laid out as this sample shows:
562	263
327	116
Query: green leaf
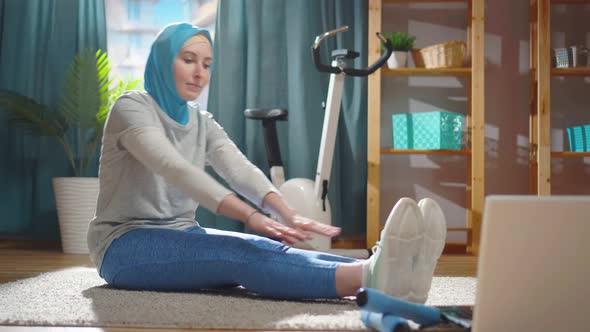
33	117
401	41
88	92
119	88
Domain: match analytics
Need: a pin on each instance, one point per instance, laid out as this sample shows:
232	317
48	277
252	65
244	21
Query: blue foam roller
376	301
384	323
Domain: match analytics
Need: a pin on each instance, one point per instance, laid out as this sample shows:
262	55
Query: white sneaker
396	253
434	241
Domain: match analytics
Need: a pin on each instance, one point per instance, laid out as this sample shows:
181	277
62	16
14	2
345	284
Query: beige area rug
78	297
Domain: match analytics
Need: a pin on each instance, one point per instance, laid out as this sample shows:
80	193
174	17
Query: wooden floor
20	263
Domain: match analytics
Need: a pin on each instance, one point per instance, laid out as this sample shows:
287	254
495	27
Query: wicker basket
443	55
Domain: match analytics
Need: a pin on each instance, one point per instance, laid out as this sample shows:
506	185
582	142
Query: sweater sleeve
231	164
150	146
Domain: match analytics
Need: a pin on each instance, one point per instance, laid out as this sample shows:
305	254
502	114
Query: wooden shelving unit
579	71
435	152
474	152
460	72
563	154
540	92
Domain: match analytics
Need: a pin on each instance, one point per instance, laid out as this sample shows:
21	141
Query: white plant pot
75	198
398	60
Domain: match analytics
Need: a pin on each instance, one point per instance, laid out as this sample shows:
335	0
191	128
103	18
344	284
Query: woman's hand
277	206
260	223
307	225
295	228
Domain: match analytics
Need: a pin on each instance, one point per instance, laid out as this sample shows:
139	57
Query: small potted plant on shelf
402	43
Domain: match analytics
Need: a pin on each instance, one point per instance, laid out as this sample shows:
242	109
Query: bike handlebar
349	71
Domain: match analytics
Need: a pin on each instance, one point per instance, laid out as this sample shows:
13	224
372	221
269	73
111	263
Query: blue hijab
159	72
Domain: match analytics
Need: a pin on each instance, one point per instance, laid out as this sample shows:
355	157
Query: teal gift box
427	131
579	138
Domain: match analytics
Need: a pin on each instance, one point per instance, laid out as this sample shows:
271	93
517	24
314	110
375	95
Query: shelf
465	71
561	154
557	2
436	152
540	112
424	1
578	71
473	155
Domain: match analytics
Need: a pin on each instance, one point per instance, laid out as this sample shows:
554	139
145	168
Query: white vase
398	59
75	198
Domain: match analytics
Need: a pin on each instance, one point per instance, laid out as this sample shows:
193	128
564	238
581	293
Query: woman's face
192	69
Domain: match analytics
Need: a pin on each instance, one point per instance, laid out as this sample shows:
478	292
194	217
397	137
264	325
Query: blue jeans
201	258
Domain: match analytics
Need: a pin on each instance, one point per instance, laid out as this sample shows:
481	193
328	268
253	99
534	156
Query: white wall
507	105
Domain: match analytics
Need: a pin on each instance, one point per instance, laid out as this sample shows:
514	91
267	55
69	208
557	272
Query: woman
152	179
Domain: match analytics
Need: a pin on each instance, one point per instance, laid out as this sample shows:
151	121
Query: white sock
366	272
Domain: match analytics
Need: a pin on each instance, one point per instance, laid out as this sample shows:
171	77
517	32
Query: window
132	25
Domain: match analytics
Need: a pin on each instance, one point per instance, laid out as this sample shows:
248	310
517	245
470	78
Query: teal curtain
38	39
91	25
262	58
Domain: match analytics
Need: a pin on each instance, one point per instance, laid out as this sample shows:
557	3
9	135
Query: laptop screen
534	264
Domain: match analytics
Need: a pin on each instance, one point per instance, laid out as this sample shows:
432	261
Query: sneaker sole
434	242
401	242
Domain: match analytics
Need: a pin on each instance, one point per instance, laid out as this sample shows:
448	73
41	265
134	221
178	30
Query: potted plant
402	43
87	94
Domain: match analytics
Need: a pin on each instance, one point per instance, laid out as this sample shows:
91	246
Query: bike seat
266	114
344	53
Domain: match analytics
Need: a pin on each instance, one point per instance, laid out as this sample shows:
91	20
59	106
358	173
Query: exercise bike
310	198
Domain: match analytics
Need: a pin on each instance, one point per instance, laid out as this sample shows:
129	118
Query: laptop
534	264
